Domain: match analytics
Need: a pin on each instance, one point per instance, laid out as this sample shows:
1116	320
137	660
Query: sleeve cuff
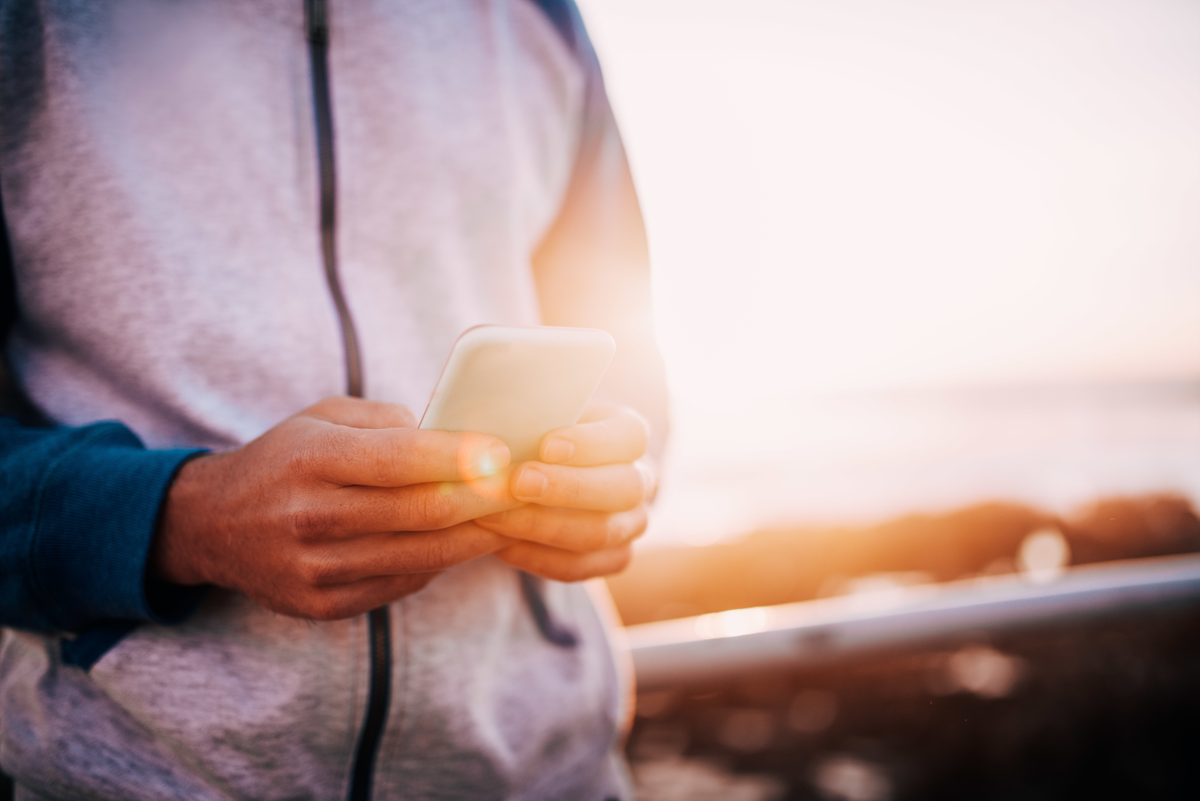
98	509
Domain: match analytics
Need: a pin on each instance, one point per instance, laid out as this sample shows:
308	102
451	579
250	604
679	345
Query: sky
870	193
851	198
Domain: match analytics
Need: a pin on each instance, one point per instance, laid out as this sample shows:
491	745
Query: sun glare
866	195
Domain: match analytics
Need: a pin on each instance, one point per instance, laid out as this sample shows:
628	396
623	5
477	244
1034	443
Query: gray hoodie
160	190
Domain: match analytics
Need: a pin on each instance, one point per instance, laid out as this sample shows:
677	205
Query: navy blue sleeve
78	509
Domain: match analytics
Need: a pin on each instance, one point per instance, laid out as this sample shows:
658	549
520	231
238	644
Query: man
220	213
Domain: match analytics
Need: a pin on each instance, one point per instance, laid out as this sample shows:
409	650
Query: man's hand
338	510
586	498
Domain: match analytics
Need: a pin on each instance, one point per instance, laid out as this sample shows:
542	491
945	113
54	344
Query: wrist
177	554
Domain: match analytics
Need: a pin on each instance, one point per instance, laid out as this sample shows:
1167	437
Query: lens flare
480	456
1044	555
733	623
487	464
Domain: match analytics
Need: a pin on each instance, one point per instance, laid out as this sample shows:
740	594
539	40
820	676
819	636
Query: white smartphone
518	384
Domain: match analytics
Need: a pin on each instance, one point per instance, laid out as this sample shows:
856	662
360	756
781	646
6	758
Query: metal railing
724	645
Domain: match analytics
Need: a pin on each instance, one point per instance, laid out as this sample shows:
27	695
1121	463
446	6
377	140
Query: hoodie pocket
267	705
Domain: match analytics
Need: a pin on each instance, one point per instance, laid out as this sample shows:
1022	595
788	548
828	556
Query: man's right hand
338	510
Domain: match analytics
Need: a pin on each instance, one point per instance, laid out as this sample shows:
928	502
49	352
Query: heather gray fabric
158	172
241	703
160	188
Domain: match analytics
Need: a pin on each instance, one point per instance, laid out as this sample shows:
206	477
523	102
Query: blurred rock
1133	528
798	564
701	780
842	777
812	711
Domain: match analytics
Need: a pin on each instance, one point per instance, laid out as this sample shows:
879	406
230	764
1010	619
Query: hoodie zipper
378	620
316	14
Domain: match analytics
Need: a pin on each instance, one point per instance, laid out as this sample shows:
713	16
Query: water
865	457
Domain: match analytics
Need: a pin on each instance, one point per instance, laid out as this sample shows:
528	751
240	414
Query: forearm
593	270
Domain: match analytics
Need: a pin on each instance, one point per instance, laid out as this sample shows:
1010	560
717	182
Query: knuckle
319	450
597	537
430	508
575	569
420	581
311	604
381	462
546	527
326	608
508	522
569	572
407	585
437	553
302	459
632	488
583	573
621	559
519	556
649	475
307	522
325	405
385	457
404	417
528	523
569	487
316	571
616	530
641	521
640	432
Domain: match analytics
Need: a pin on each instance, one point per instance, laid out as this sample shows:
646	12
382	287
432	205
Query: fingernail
493	460
531	484
557	449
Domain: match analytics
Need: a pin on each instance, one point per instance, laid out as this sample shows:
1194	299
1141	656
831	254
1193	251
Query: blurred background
913	254
927	278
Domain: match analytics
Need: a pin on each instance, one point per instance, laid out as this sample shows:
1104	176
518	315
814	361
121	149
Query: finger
560	565
360	413
351	600
607	488
397	457
611	435
357	510
575	530
395	553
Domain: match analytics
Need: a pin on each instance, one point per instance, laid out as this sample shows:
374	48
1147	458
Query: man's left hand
585	500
